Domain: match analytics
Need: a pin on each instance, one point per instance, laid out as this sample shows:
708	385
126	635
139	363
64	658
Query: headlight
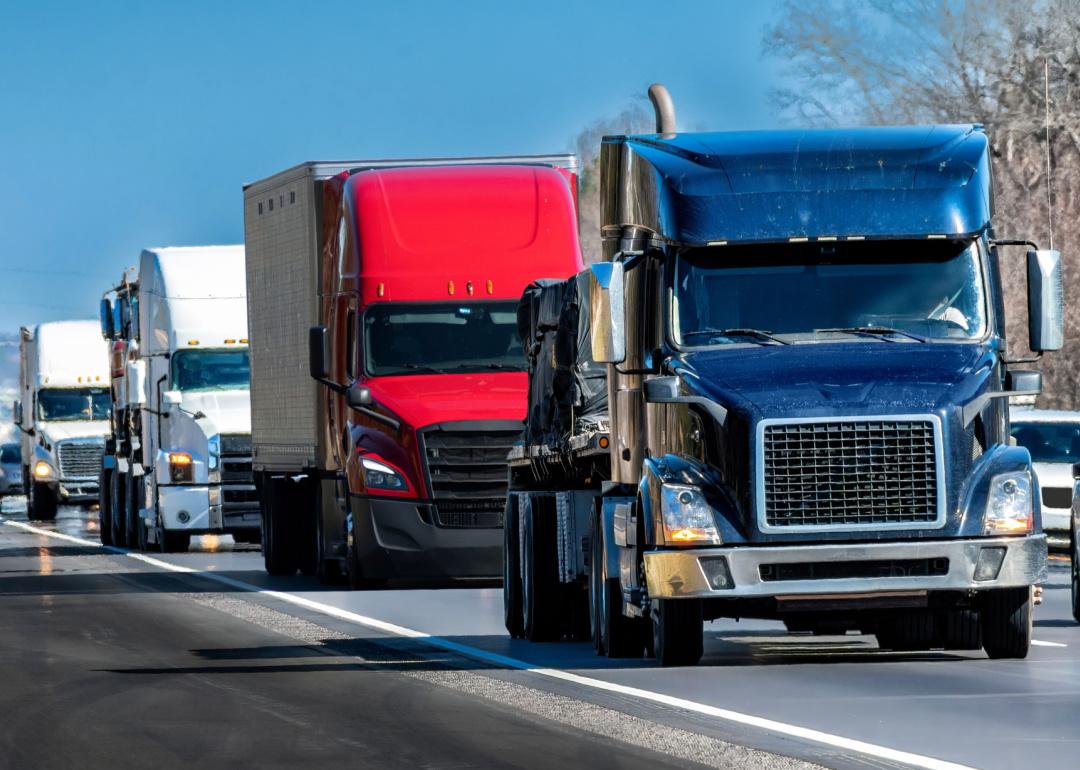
379	475
42	470
1009	506
181	467
688	519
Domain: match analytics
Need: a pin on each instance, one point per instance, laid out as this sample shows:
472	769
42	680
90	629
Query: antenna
1049	178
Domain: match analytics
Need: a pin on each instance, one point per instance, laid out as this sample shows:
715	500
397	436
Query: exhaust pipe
664	108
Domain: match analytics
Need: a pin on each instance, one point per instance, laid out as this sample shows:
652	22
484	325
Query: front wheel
105	514
116	520
174	542
42	504
678	630
1005	616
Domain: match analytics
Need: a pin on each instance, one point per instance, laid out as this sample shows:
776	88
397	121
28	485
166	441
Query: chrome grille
238	483
869	473
80	460
467	473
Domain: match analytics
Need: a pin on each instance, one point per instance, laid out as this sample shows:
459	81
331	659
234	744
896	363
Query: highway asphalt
112	659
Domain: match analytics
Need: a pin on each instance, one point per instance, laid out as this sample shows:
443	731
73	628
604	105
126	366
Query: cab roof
462	231
900	182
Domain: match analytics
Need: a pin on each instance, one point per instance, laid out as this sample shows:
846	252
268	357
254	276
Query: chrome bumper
681	574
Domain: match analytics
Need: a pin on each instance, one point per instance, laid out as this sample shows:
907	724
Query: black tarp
567	389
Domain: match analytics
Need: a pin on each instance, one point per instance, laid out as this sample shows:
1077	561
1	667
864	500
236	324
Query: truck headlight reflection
688	519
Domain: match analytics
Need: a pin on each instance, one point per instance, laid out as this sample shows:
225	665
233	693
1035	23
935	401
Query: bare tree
982	61
634	119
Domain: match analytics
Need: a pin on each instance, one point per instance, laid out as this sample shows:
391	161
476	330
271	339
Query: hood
229	411
424	399
59	431
829	379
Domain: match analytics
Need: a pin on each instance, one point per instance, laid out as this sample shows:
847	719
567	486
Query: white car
1053	438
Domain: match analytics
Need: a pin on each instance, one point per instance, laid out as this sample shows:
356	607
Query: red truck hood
424	399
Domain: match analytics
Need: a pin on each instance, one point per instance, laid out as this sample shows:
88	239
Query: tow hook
1037	595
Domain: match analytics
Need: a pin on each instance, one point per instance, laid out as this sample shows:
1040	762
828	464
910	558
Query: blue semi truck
783	394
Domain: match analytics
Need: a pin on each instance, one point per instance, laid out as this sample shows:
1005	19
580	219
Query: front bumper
1056	519
199	508
74	490
681	574
397	539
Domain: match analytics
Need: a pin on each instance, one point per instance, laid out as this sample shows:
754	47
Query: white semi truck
62	413
178	459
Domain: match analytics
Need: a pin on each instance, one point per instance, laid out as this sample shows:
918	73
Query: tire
174	541
540	587
279	556
116	495
614	634
960	630
909	632
1074	557
135	530
513	616
105	528
1006	618
42	504
678	630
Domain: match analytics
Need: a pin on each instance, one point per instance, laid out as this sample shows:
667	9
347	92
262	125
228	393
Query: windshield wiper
758	334
873	331
422	368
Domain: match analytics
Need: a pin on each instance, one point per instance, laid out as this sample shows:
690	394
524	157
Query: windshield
9	454
1049	442
210	370
810	291
441	337
56	404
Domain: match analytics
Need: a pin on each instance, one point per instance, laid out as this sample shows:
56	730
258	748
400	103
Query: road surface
114	659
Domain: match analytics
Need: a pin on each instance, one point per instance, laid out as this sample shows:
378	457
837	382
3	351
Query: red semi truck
388	380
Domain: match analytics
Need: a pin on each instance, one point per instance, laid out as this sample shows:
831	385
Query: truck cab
807	394
179	457
62	413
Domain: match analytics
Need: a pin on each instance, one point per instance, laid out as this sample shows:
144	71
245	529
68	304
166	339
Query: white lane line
782	728
1040	643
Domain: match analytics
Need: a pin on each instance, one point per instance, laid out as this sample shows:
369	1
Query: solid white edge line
783	728
1040	643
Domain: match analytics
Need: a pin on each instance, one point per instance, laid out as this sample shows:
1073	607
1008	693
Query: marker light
243	340
490	286
381	290
1009	506
468	288
230	342
181	467
688	519
192	342
42	469
450	288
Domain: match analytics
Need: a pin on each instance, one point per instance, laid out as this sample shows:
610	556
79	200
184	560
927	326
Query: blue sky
130	124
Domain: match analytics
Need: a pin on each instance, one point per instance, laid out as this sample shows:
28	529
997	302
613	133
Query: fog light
183	517
989	564
717	572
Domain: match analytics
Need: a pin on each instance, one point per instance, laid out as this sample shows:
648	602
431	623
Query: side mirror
16	411
318	353
358	396
1046	302
107	330
171	398
1023	382
607	313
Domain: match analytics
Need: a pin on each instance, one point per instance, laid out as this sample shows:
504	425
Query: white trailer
62	413
178	462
